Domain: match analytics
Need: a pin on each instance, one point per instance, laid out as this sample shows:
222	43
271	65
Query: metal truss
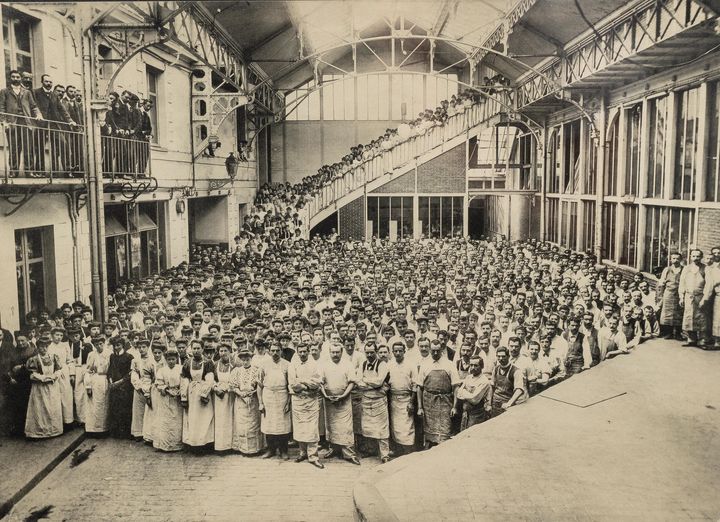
648	25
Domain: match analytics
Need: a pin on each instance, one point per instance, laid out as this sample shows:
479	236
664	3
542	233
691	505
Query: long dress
97	404
168	412
223	408
140	379
120	397
64	353
276	420
247	437
199	419
44	412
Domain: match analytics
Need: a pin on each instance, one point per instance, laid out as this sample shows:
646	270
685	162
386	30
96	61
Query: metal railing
401	153
125	158
34	148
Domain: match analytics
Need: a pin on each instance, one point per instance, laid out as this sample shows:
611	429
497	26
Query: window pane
121	256
372	213
22	307
36	285
446	216
609	224
362	101
656	147
383	96
22	36
629	244
686	145
632	178
712	187
612	160
372	97
384	217
396	212
339	99
435	229
135	255
34	243
424	211
19	254
458	211
407	217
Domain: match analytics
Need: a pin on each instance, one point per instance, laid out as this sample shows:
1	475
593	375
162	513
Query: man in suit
73	138
57	118
18	108
144	133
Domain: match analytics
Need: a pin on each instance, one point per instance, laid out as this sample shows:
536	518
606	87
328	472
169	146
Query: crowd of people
44	130
352	347
356	347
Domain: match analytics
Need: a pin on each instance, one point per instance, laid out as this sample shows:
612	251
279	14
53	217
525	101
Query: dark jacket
21	104
51	107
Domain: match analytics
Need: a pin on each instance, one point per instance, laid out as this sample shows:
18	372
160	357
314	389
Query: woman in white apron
140	380
224	401
198	378
97	389
244	379
149	417
44	413
168	413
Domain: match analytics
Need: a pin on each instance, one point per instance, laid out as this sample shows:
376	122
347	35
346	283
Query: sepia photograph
360	260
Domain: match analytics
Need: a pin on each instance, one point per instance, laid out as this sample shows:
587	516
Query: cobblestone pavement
131	481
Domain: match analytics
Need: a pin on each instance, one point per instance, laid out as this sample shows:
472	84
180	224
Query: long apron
44	412
339	422
671	313
199	419
149	416
306	417
504	386
357	410
275	392
97	405
168	412
66	390
247	437
139	405
401	422
224	412
375	417
437	403
79	394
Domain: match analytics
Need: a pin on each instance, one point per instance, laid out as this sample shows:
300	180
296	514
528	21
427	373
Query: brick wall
708	229
405	183
444	174
351	220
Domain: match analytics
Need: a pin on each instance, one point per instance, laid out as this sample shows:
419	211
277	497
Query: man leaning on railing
18	112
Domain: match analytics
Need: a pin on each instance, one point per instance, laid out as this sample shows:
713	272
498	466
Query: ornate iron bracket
130	191
29	194
216	184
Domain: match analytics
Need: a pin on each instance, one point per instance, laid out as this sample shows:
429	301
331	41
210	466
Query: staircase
402	158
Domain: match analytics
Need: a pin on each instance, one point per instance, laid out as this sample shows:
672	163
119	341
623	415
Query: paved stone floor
637	438
130	481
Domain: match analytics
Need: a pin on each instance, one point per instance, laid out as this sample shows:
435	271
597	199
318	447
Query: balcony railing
125	158
401	153
33	148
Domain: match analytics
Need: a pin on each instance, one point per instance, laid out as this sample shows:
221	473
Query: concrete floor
638	437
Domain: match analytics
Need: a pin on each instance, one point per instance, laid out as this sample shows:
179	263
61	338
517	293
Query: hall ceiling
270	32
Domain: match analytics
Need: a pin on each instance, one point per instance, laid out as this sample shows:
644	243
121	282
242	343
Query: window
667	230
384	209
553	168
338	94
551	223
133	241
526	153
633	120
571	156
612	159
686	124
17	42
34	269
712	185
442	216
302	106
628	252
610	223
153	78
568	225
657	112
588	225
590	174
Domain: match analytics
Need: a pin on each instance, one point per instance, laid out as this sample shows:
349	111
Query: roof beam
269	38
443	16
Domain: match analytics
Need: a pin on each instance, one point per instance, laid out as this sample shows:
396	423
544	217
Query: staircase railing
402	153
